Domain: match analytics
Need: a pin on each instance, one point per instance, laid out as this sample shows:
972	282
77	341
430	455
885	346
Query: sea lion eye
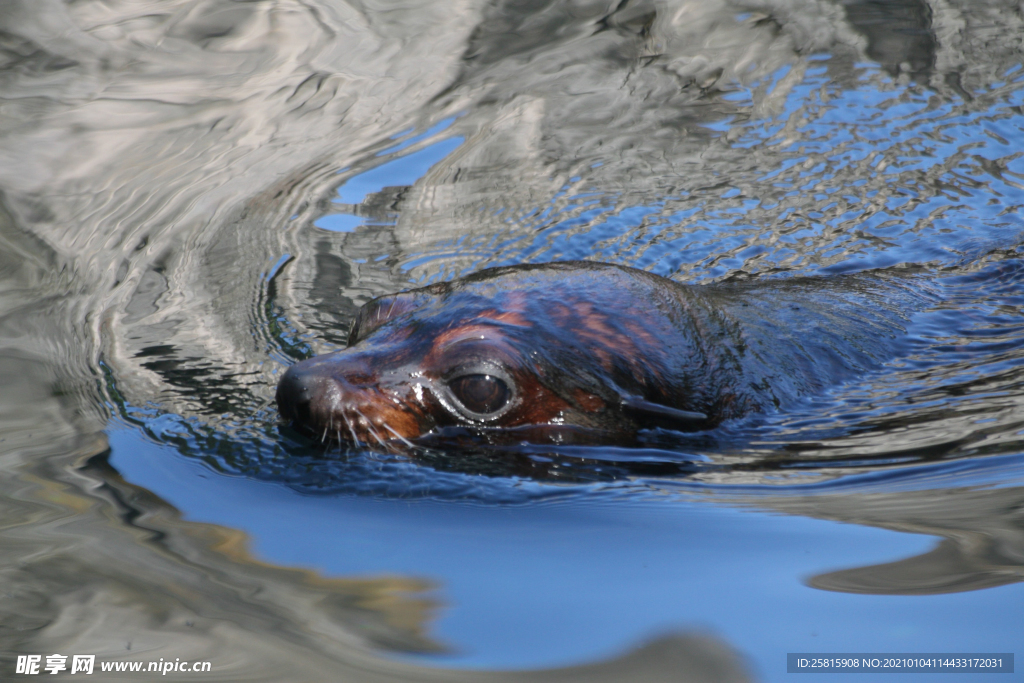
481	394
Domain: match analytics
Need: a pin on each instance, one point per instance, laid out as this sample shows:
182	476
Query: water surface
197	194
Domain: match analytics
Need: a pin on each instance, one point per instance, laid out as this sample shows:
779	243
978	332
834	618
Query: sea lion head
549	353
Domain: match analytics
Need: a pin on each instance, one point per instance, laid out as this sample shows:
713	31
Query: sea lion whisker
397	435
351	430
376	435
371	429
383	444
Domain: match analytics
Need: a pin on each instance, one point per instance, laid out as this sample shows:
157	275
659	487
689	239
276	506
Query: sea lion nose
295	392
315	394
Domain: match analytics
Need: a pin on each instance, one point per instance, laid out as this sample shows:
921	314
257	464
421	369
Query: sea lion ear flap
664	416
375	313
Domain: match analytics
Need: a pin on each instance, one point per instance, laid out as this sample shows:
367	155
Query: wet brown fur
604	350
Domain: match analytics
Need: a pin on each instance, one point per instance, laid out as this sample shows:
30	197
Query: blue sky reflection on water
398	172
894	174
404	170
554	583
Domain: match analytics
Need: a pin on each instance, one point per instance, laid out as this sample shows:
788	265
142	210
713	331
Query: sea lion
589	352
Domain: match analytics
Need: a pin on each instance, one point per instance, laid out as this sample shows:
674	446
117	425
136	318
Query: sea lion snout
296	390
339	397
